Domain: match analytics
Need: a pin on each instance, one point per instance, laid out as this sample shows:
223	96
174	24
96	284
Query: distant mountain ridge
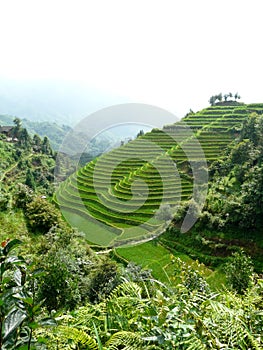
54	101
53	131
56	134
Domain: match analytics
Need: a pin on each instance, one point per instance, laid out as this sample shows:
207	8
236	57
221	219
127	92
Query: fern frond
194	343
127	341
78	337
218	307
130	289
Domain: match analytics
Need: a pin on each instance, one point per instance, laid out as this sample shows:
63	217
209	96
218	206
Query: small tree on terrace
212	100
237	96
140	133
219	97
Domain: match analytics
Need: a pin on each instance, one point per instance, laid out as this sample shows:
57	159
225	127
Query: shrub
23	195
104	280
239	272
41	215
67	261
4	199
59	288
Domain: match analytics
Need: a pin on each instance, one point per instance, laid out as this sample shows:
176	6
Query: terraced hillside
130	193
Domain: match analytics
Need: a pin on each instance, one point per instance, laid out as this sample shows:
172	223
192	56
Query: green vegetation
219	98
96	304
53	131
196	290
25	160
239	272
112	189
20	312
133	317
235	195
157	258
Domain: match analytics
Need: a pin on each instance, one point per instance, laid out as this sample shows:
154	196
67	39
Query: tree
16	130
24	139
46	148
37	142
140	133
237	96
30	181
41	215
252	129
59	287
67	265
212	100
22	195
239	272
219	97
104	280
17	122
4	199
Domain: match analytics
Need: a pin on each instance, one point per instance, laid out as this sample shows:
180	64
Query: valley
141	243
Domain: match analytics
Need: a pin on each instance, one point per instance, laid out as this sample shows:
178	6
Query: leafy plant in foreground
19	312
170	319
12	279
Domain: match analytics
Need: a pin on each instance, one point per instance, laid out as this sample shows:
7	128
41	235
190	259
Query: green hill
108	200
53	131
27	161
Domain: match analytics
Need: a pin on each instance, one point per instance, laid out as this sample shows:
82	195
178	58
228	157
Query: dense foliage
166	319
56	292
20	313
142	314
236	191
26	160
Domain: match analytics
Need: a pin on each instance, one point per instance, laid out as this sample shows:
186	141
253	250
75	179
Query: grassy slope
156	257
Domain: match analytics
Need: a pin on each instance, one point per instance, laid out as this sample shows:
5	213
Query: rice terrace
115	197
131	175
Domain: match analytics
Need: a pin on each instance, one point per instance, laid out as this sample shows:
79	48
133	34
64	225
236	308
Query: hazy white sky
172	54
